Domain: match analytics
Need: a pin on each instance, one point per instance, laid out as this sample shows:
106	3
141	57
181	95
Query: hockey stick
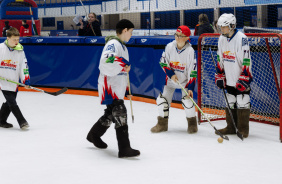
86	15
226	100
220	134
130	98
34	88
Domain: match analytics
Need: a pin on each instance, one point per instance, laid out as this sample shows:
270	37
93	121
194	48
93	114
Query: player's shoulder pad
2	45
171	45
189	46
244	39
111	45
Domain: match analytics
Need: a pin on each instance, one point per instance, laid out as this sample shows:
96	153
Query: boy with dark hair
112	87
13	66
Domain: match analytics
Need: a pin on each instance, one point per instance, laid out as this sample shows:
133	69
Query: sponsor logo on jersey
8	64
111	47
246	62
177	66
228	56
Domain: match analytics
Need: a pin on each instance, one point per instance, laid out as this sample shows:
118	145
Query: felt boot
123	143
161	126
192	125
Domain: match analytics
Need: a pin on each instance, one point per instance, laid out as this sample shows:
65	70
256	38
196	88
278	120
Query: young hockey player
13	67
234	73
112	85
179	63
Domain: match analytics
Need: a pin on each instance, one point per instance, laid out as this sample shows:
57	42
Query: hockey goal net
266	66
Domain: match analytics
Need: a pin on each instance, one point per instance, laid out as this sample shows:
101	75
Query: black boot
123	143
19	116
230	129
4	114
95	134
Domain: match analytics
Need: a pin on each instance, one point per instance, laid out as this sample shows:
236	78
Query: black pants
10	97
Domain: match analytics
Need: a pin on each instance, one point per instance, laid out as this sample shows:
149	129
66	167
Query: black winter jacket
87	31
205	28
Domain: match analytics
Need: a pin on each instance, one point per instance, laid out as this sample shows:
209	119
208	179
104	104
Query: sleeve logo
111	48
244	41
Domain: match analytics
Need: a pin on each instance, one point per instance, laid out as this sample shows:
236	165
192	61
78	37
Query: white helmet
227	19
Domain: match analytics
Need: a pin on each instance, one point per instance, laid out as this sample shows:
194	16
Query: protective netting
265	101
150	17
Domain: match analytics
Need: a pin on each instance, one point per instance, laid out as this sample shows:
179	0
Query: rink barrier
73	61
135	40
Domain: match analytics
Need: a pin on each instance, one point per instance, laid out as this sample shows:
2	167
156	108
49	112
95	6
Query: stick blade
240	135
221	135
58	92
132	119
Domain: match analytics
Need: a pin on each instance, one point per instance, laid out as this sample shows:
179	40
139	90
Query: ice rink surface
55	150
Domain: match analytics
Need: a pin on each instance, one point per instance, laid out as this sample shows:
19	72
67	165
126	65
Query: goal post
266	55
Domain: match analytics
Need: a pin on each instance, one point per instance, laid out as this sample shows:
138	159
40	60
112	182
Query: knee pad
163	106
243	101
231	100
119	113
189	107
105	121
108	114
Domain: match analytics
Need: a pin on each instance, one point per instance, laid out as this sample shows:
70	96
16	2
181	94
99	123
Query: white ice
55	150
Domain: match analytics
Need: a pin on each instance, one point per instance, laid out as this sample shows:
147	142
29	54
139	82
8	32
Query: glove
243	83
220	81
123	62
27	82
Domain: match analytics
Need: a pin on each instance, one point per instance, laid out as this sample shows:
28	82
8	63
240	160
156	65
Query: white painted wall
122	6
133	10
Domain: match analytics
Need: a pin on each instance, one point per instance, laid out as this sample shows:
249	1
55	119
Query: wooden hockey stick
130	98
220	134
226	100
86	15
37	89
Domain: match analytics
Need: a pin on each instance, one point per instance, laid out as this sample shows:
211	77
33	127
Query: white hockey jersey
234	57
112	82
13	66
182	63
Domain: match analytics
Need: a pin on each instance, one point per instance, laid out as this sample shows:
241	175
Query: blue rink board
135	40
73	62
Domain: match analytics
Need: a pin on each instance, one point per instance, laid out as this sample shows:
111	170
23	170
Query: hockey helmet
227	19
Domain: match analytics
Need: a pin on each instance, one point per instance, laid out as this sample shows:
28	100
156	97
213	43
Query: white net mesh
265	101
